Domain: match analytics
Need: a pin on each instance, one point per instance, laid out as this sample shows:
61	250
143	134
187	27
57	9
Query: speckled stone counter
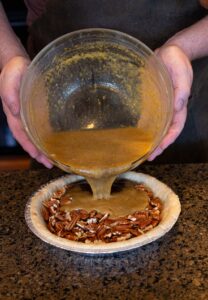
174	267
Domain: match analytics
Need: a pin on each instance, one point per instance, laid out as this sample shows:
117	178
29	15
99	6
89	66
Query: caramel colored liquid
99	155
125	201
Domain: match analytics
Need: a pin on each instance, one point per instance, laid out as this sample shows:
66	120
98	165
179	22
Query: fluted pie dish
169	215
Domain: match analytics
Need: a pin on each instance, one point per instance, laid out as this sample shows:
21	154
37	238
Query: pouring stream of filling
99	156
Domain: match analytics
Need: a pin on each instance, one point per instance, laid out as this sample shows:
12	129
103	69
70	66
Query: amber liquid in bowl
99	156
99	76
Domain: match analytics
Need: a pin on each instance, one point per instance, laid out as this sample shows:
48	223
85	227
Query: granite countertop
173	267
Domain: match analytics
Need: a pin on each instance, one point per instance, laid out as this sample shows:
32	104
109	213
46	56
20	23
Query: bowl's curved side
46	79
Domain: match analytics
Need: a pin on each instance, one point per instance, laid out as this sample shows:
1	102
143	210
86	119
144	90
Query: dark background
16	12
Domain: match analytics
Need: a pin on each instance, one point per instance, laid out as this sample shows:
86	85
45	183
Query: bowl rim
162	72
86	31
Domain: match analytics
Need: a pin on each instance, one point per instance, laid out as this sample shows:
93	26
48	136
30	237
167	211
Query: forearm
10	45
192	40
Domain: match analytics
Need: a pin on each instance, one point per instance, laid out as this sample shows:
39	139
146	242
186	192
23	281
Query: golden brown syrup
99	155
125	201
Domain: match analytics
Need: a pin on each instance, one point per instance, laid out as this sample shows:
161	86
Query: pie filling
73	214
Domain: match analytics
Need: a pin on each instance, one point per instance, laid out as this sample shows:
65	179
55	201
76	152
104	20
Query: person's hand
204	3
10	81
181	73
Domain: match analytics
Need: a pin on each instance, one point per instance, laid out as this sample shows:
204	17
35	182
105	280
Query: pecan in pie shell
169	215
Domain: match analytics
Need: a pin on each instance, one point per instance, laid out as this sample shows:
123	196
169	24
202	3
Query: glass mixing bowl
95	79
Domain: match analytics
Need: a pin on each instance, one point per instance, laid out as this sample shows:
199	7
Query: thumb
181	73
11	78
182	81
181	97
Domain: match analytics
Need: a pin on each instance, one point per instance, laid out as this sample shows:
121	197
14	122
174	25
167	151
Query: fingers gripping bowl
96	79
96	102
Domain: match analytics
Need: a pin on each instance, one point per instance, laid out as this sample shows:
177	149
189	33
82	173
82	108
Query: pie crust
169	216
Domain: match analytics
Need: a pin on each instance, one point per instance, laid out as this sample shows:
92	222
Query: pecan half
95	227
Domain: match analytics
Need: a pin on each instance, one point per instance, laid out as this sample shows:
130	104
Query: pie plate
169	216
